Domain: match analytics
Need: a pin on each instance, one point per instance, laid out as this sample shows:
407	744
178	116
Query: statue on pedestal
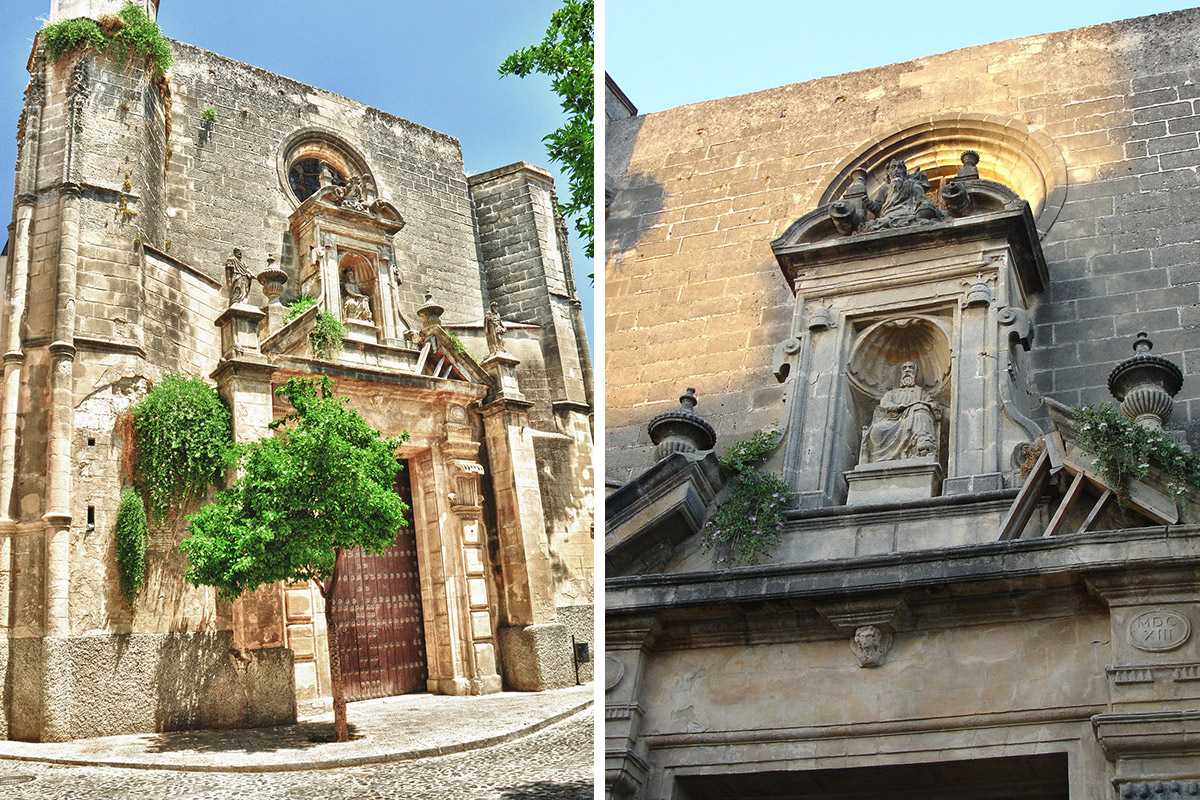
237	277
494	330
904	424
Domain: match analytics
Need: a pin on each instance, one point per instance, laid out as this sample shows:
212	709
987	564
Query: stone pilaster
625	757
244	379
534	647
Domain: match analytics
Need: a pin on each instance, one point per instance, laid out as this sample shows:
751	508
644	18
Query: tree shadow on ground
545	790
300	736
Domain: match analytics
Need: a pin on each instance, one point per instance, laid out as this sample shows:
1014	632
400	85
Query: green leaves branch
567	56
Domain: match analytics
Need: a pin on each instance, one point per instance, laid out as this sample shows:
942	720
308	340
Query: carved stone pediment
353	205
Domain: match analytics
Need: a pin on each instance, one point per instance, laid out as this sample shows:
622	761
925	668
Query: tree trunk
341	732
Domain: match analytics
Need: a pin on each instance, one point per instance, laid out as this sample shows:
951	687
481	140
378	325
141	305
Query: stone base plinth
894	481
537	657
89	686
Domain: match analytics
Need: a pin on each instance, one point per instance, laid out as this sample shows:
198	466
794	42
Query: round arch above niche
1026	161
883	346
310	146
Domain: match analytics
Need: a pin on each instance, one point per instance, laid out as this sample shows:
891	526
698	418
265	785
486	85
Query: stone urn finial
1144	384
272	279
430	313
970	165
681	431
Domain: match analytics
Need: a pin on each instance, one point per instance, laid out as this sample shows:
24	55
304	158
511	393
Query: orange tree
322	485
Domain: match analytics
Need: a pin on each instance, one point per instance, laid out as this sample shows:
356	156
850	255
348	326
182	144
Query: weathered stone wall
162	682
694	295
717	709
224	185
527	273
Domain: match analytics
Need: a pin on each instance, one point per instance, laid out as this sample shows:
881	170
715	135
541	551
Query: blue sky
432	63
666	53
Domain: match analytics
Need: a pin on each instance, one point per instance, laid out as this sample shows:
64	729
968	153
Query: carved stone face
908	374
237	252
896	170
868	637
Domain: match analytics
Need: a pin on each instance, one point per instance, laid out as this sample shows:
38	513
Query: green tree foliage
182	431
131	32
567	56
323	484
131	544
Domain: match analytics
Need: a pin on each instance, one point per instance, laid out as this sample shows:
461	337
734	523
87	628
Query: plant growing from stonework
298	305
209	115
131	538
327	335
567	56
748	525
322	485
1125	452
129	33
182	429
456	344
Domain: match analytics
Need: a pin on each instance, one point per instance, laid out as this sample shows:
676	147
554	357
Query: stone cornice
1033	562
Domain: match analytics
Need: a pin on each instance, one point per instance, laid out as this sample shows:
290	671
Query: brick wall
695	298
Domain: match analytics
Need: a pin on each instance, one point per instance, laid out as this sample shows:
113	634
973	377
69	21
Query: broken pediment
897	213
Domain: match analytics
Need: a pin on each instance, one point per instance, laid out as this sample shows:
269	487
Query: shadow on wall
637	203
565	504
202	681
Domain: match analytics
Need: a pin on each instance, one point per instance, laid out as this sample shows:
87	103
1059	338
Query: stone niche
345	234
941	286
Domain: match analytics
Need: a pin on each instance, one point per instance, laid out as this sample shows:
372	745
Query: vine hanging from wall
327	335
182	431
748	525
131	535
1125	452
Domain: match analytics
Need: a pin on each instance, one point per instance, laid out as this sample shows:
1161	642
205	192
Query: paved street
554	763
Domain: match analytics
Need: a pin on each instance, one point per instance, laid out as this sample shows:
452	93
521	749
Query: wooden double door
377	609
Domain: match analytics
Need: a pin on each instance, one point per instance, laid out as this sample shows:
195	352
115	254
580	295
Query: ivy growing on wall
130	33
298	306
326	335
748	525
1124	452
131	537
456	344
182	430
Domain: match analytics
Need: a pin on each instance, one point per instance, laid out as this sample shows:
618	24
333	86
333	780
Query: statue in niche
494	330
237	277
903	426
901	201
355	304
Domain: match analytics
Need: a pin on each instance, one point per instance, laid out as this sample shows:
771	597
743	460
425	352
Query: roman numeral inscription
1158	630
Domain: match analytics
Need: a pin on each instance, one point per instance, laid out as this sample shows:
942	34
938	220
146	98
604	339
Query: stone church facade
912	273
464	329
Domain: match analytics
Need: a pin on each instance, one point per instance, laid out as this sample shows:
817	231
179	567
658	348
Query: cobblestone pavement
552	764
